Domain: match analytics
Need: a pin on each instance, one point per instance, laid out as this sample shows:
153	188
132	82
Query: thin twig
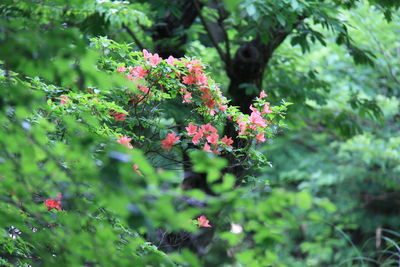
134	37
207	28
225	33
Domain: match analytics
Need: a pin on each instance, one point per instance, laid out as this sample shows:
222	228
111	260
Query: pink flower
201	79
208	128
207	147
260	138
187	97
203	222
263	94
169	141
125	141
191	129
139	72
64	100
257	119
254	109
213	138
222	107
170	60
196	138
155	60
144	89
227	141
194	66
121	69
146	54
266	109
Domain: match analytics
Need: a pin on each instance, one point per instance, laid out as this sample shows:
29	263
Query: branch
207	28
134	37
227	43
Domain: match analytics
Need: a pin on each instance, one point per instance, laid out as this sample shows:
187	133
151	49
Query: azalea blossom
125	141
260	138
64	100
201	79
194	66
208	128
263	94
187	98
213	138
146	54
191	129
53	203
155	59
207	147
170	60
266	109
203	222
189	79
196	138
227	141
257	119
169	141
139	72
119	116
121	69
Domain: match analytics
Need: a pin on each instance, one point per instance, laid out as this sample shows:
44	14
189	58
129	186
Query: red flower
196	138
139	72
53	203
125	141
203	222
260	138
169	141
201	79
194	66
191	129
189	79
227	141
263	94
213	138
208	128
118	116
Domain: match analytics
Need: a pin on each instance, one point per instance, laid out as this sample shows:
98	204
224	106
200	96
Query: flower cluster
203	222
208	135
169	141
186	77
255	123
125	141
53	203
118	116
